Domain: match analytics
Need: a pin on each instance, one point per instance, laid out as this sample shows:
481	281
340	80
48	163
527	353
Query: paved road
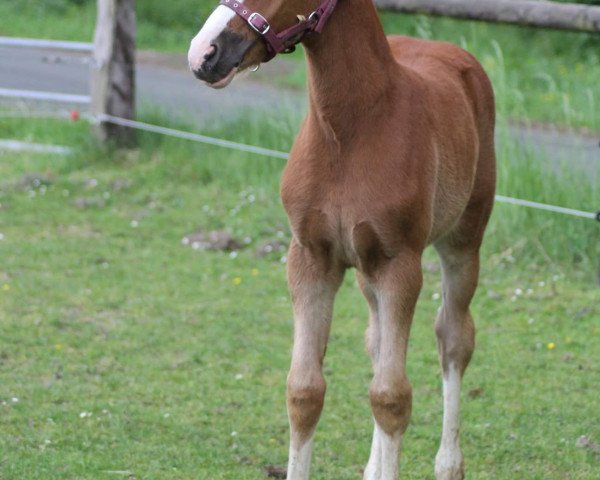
164	81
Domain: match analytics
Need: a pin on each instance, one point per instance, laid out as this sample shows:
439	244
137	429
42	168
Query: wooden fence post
113	69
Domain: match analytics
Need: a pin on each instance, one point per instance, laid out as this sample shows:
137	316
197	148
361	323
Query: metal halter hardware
280	42
265	23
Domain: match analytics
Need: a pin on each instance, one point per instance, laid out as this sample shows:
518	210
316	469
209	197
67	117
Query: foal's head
227	44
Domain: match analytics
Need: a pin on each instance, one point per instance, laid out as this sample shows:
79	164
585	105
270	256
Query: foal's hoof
449	466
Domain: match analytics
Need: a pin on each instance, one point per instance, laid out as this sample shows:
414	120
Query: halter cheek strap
285	41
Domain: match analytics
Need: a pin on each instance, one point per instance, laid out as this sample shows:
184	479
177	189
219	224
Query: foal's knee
305	398
391	402
456	338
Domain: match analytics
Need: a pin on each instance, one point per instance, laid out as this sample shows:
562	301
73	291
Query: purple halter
280	42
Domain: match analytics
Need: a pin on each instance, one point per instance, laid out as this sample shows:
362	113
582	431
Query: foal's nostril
211	58
211	52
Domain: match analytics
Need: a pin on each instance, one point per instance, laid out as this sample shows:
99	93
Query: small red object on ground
74	115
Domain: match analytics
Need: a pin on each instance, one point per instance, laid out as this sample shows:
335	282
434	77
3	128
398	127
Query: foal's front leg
313	281
392	295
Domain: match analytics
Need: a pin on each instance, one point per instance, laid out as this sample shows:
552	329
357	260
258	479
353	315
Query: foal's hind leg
456	340
313	282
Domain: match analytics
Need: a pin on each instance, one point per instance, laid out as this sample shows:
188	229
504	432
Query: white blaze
215	24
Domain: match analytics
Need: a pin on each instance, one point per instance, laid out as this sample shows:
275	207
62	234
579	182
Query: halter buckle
261	28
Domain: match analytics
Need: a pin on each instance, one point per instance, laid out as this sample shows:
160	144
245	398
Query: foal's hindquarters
427	181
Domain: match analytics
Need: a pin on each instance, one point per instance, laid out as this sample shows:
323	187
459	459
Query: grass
125	354
539	75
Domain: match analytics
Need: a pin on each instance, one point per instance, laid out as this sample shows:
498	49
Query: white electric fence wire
550	208
41	114
45	96
26	147
278	154
194	137
46	44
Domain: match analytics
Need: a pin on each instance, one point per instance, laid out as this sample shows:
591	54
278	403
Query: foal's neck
350	66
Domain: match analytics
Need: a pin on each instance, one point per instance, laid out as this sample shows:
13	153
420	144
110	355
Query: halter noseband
280	42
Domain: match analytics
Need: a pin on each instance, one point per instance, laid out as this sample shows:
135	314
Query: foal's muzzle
222	59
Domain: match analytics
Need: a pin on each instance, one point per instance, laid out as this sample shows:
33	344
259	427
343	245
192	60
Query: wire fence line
267	152
550	208
283	155
17	146
194	137
46	44
45	96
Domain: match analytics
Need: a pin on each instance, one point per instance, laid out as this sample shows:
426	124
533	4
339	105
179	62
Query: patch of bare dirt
476	392
33	181
217	240
586	442
84	203
274	471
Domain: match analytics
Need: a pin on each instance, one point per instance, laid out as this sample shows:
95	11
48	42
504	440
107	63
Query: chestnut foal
396	153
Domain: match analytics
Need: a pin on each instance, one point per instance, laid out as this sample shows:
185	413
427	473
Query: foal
396	153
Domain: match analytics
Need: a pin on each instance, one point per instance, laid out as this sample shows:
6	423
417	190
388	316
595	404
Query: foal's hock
396	153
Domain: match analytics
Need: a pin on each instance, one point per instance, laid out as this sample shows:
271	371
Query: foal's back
462	113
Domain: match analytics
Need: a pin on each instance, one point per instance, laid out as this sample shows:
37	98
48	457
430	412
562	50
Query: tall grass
516	234
535	236
540	75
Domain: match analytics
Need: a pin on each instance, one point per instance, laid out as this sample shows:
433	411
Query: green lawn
126	354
